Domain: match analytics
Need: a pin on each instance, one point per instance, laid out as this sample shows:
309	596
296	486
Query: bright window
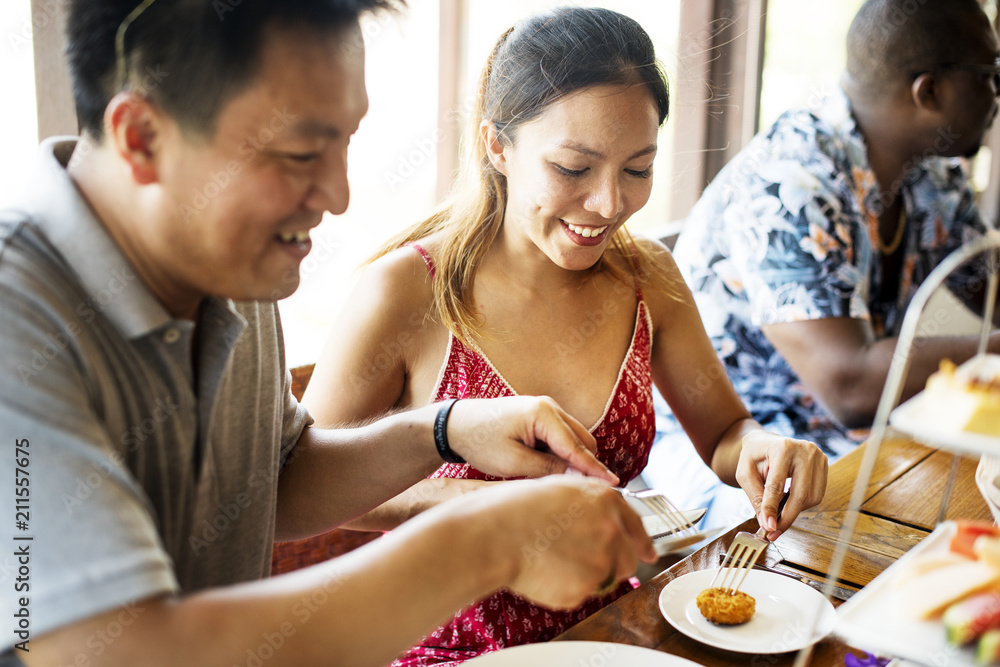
805	52
392	172
18	124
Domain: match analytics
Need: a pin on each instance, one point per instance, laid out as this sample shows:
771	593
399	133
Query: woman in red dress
527	282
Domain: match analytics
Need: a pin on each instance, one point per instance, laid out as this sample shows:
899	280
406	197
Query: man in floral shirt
806	249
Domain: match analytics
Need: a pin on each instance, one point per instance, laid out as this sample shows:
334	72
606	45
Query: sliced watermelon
965	621
966	533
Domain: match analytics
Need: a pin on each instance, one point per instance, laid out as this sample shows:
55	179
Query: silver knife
838	592
656	528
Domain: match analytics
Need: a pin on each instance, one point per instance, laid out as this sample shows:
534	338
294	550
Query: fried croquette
724	608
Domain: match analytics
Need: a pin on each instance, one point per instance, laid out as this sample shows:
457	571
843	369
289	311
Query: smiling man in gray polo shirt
152	441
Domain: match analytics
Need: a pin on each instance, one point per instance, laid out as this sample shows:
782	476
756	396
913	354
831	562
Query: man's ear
132	125
494	145
926	92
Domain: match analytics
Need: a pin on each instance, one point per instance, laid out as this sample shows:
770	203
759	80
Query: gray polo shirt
148	472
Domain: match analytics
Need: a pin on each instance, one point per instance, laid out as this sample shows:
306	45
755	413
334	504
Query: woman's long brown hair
533	64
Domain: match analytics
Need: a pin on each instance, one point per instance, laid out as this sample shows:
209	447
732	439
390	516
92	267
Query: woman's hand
766	461
523	436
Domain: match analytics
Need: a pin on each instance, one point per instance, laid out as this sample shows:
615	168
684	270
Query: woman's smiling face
577	172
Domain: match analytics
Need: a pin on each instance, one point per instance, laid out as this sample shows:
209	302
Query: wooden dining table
900	508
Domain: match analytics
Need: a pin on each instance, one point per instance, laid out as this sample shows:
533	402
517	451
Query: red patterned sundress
624	436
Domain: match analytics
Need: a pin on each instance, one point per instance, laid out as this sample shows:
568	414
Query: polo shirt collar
109	278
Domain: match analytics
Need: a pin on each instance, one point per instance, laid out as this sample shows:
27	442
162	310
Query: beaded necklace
897	239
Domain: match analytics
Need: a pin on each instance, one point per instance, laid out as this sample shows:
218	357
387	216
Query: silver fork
739	560
661	506
742	555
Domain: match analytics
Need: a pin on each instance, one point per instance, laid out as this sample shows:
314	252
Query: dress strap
425	255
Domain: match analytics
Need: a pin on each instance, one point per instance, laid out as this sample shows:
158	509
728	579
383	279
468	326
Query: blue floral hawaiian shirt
787	232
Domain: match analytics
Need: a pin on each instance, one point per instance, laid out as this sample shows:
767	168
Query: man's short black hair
188	56
890	40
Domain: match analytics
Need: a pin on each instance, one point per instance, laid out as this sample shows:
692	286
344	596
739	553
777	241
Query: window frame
720	67
54	106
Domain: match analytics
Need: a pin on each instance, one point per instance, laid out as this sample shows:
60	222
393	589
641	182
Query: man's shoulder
28	259
803	145
804	133
12	223
24	247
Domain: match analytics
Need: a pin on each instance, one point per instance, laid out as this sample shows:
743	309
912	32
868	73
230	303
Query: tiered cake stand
867	621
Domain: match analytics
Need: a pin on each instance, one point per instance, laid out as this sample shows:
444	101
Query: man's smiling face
246	198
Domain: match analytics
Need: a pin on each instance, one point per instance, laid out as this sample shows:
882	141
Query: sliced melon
929	594
920	564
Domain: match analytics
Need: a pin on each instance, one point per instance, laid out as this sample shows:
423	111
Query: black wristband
441	432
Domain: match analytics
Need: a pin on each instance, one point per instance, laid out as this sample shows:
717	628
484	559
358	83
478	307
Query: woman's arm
420	497
362	371
366	369
692	379
690	376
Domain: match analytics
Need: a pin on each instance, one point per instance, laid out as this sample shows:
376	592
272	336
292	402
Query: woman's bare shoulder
401	277
637	260
654	248
663	286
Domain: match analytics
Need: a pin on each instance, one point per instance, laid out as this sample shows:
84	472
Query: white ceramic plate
782	621
579	654
914	418
872	620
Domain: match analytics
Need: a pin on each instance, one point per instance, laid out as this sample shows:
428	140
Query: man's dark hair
890	40
188	56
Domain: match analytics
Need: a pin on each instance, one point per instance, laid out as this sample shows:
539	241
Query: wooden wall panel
53	91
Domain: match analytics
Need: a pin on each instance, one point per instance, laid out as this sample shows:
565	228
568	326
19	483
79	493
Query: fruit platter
937	605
